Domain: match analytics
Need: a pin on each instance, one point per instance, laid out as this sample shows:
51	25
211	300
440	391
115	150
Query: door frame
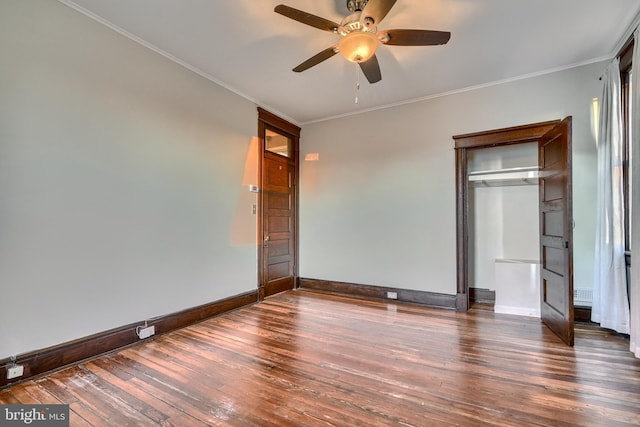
479	140
268	120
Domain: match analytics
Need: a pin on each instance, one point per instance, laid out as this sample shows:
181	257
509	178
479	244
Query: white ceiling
246	47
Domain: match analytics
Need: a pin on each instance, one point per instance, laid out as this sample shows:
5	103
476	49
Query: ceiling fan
360	36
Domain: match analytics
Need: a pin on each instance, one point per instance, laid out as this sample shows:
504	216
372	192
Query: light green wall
121	193
379	206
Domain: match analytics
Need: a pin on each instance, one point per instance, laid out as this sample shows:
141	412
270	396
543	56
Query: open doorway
503	228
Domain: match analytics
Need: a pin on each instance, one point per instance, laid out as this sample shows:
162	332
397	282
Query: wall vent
582	296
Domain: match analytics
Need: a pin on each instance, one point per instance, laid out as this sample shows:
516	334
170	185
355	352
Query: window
277	143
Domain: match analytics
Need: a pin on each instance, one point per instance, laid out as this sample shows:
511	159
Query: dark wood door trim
504	136
278	123
462	230
478	140
267	120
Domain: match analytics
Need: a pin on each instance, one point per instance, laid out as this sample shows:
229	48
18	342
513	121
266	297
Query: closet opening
504	253
514	222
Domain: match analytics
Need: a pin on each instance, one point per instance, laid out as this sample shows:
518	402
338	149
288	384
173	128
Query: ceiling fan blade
414	37
377	9
306	18
316	59
371	69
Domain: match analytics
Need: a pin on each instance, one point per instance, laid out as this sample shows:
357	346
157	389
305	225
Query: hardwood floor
310	359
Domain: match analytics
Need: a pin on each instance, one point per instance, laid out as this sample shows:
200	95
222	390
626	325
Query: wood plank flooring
310	359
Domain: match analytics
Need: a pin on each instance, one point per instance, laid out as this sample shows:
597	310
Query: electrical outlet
146	332
15	371
392	295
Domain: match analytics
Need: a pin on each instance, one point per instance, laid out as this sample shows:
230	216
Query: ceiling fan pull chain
357	80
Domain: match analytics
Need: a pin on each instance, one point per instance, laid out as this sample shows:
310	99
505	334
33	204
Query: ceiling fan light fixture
359	35
358	46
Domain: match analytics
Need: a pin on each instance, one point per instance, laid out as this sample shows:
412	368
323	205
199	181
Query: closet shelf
509	176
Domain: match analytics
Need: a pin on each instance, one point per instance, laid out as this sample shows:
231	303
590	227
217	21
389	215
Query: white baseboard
518	311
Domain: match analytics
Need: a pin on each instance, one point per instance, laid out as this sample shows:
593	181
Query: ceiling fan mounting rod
356	5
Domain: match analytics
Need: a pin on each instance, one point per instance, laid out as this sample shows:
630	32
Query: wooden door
556	231
278	201
278	235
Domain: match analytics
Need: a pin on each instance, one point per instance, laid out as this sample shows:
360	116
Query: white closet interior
504	226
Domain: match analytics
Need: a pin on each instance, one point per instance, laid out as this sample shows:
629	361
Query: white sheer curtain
610	303
635	197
